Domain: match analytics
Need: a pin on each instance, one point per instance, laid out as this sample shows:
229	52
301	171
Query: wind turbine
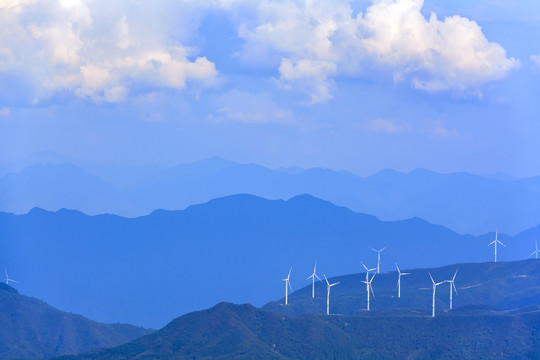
368	283
452	287
378	256
313	276
400	274
495	242
434	289
7	277
328	286
535	252
287	286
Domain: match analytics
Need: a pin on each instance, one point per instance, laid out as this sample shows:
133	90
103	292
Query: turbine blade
397	267
433	281
327	283
373	249
455	289
372	278
315	268
318	277
288	282
491	243
289	273
309	277
371	288
501	243
402	274
455	274
384	248
365	267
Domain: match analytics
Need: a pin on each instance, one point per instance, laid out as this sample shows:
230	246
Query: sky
350	85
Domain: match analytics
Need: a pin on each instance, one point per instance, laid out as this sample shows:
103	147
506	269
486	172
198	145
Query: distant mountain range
229	331
31	329
235	249
463	202
502	285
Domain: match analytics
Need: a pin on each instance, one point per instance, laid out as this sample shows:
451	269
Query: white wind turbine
434	289
328	286
313	276
378	256
535	252
494	242
287	286
400	274
368	284
452	287
7	277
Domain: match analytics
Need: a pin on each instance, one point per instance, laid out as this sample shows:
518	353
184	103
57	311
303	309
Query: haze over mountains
463	202
236	249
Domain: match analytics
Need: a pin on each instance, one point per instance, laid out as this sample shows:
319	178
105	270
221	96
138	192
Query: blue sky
354	85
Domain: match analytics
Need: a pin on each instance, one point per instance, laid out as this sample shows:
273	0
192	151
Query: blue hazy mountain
31	329
229	331
463	202
236	249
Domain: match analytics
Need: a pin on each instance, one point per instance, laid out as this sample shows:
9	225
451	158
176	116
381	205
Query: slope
243	332
31	329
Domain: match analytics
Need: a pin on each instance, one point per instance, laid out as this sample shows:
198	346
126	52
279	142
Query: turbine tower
494	242
452	287
378	256
368	284
7	276
328	286
434	289
313	276
287	286
535	252
400	274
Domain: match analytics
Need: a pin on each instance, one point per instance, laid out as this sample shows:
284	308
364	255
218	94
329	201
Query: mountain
502	285
463	202
31	329
229	331
59	186
235	249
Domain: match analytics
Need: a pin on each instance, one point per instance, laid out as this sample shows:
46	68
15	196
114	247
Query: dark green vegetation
464	202
98	261
31	329
243	332
503	285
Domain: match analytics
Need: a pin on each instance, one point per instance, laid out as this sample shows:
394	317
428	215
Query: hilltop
31	329
502	285
229	331
464	202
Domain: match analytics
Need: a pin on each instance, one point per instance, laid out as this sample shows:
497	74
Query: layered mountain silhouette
463	202
31	329
229	331
234	249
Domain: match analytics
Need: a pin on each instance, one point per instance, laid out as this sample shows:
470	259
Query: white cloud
388	126
76	46
536	60
239	106
5	111
315	41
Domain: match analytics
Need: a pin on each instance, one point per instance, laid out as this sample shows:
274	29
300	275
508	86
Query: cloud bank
75	46
104	52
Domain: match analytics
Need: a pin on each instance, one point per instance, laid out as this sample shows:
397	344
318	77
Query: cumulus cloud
77	47
319	40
